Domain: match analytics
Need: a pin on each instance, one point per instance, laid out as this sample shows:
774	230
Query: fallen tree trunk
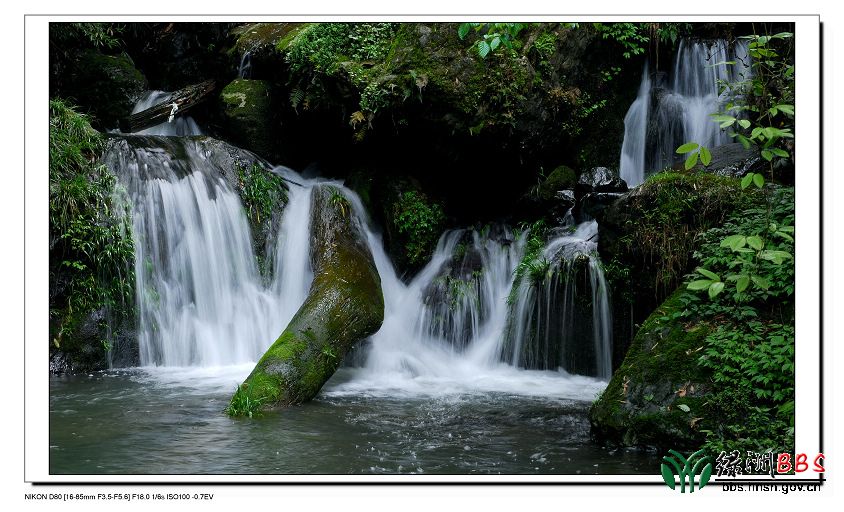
344	305
178	103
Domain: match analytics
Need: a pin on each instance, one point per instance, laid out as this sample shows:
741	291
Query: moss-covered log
345	304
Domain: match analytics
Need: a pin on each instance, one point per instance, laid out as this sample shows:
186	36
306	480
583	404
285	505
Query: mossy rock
645	402
345	305
561	178
648	237
248	115
106	85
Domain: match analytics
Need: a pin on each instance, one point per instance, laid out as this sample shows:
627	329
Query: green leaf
767	155
745	142
705	156
756	132
715	289
709	274
761	282
463	30
494	44
773	111
758	180
788	109
689	146
744	123
684	407
742	283
745	182
483	49
691	161
780	152
702	284
734	242
755	242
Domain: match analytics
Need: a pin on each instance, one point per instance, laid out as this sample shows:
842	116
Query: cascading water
181	126
202	301
670	112
549	322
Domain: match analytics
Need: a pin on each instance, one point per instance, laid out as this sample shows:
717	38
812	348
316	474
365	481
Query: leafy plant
492	35
262	191
91	246
419	220
695	151
339	201
97	35
243	403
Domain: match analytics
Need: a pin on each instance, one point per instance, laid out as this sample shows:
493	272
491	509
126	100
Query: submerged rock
345	305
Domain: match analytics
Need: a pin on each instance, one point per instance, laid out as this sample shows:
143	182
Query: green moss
344	305
247	110
561	178
109	85
658	374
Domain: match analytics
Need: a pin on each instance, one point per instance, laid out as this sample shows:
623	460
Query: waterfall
669	112
635	127
245	68
549	324
201	300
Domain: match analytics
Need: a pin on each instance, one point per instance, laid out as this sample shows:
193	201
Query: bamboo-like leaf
668	476
705	475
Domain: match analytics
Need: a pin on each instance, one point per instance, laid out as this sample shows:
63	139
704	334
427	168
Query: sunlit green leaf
705	156
709	274
689	146
701	284
715	289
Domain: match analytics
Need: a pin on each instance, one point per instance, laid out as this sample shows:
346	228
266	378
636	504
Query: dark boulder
106	85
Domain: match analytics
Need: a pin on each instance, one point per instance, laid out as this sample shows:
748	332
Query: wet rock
733	160
641	405
247	113
600	179
106	85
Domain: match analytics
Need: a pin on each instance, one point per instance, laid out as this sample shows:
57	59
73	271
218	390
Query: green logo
686	469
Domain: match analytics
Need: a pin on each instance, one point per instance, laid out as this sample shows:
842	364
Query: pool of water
171	421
